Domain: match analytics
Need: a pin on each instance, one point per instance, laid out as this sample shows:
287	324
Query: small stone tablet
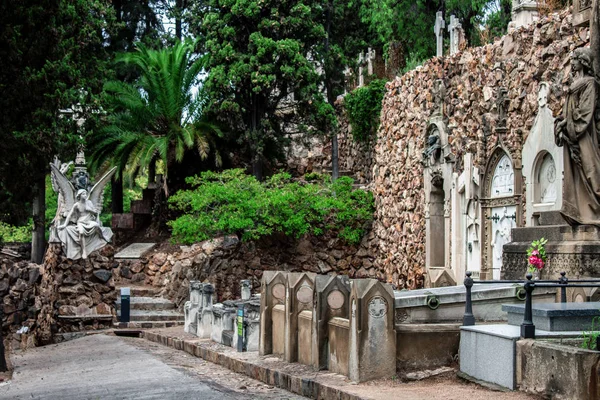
304	295
278	291
335	299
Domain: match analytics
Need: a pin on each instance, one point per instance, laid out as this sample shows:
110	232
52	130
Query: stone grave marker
272	313
298	317
440	24
455	30
193	307
582	12
332	295
205	317
372	347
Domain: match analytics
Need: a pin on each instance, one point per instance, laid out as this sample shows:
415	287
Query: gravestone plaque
335	300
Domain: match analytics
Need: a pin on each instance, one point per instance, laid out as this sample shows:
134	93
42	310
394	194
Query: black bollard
527	327
563	289
468	318
125	304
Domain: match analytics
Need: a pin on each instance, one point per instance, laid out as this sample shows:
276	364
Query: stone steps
153	315
147	324
148	303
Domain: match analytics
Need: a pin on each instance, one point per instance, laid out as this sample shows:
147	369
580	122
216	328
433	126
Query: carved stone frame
487	203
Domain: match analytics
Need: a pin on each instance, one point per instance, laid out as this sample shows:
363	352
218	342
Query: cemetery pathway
110	367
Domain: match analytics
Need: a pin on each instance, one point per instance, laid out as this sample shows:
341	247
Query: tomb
193	307
556	317
298	317
272	313
524	12
205	316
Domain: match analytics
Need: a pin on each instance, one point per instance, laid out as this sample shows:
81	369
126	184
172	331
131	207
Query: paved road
109	367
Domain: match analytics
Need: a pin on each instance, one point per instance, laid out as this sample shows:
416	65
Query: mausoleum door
500	211
502	224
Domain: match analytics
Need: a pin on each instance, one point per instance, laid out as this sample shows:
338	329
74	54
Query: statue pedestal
574	250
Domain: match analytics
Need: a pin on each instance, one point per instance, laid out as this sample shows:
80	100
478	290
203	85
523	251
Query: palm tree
159	116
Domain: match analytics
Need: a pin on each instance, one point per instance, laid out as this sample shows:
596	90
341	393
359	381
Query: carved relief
378	307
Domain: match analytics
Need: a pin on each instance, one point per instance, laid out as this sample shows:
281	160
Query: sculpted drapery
577	130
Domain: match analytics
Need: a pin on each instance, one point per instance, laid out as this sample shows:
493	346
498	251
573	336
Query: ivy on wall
363	107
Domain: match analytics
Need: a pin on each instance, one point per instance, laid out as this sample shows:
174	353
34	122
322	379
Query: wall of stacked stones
518	62
225	261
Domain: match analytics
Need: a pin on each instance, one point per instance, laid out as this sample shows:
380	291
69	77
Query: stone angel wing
97	192
65	187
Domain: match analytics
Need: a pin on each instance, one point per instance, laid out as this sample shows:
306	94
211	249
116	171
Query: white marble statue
80	230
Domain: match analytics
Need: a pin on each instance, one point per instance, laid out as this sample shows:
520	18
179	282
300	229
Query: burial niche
500	208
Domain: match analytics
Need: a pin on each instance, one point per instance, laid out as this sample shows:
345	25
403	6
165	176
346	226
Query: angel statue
80	231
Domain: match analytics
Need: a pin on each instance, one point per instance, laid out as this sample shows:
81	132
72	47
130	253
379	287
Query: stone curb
303	386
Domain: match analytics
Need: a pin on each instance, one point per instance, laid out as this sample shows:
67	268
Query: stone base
426	346
574	250
556	317
488	352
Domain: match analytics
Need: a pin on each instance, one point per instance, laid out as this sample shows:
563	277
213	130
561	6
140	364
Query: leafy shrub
232	202
10	233
363	106
591	337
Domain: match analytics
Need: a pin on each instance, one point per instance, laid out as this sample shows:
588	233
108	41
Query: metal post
240	329
527	327
468	318
125	304
563	280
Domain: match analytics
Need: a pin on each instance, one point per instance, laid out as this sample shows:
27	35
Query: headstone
193	307
361	76
298	317
223	323
542	163
272	312
524	12
440	24
332	295
205	317
372	347
456	33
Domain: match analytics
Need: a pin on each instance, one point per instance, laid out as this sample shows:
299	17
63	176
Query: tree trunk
257	169
152	172
335	168
116	195
179	5
38	239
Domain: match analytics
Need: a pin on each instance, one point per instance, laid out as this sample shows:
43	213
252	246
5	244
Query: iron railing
529	285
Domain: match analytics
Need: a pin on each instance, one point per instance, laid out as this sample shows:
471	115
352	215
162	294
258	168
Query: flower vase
537	275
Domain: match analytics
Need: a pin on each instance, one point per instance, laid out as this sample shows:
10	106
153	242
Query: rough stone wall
225	261
518	62
18	281
72	293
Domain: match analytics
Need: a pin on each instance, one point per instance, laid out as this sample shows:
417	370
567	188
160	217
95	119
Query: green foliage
257	59
315	177
590	338
53	56
10	233
232	202
363	106
159	116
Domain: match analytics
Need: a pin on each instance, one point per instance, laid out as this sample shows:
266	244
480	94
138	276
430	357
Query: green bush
10	233
363	107
232	202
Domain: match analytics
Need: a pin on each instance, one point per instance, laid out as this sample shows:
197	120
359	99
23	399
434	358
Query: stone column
246	291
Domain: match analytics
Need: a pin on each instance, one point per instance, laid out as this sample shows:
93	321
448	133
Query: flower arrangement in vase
536	257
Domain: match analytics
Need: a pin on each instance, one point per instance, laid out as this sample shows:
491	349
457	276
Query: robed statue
577	130
77	223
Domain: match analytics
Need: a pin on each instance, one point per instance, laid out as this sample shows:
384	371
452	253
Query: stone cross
361	61
347	78
370	59
440	24
454	29
377	307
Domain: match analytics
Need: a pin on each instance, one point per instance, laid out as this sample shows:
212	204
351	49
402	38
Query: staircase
147	310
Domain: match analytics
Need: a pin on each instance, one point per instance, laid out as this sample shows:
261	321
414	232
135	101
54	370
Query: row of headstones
218	322
329	322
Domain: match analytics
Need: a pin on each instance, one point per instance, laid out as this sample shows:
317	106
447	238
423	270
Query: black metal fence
529	285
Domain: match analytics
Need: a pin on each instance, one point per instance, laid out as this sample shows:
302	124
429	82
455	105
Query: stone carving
77	223
246	289
377	307
502	103
434	149
278	292
582	11
577	130
335	299
456	33
439	93
304	295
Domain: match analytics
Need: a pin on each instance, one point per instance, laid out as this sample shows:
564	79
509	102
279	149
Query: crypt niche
542	164
500	206
438	167
466	221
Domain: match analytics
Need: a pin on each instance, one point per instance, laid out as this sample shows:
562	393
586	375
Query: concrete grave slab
556	317
134	250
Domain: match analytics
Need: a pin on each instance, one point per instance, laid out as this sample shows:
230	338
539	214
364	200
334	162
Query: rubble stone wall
518	62
225	261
